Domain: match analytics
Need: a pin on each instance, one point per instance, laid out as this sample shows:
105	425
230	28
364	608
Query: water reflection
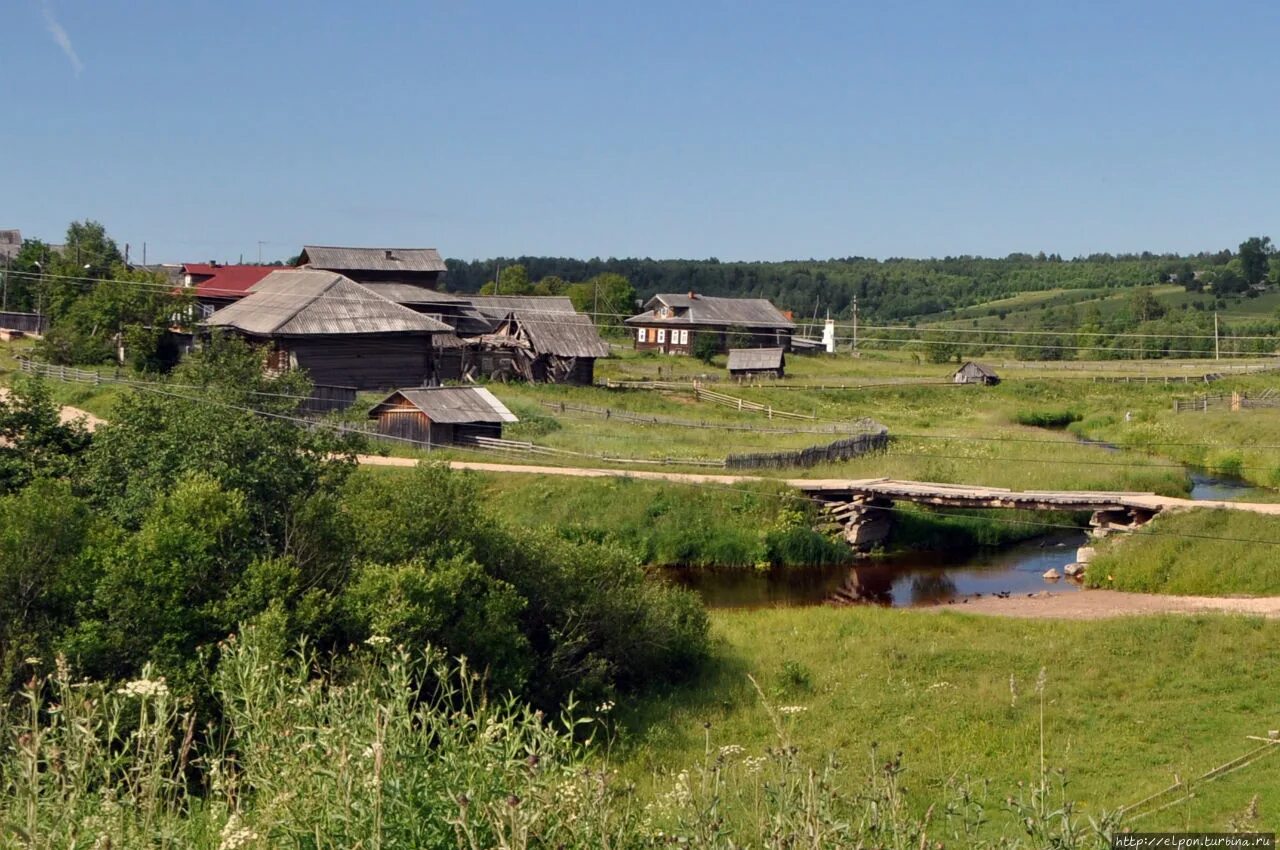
917	578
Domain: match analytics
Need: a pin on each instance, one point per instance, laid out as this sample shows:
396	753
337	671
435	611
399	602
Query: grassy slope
1184	554
1130	702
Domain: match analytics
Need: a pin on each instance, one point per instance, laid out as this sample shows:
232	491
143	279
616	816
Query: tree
1255	253
609	298
1143	306
34	441
512	280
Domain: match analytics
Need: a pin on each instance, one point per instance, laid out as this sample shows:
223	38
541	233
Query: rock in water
1052	575
1085	554
1073	570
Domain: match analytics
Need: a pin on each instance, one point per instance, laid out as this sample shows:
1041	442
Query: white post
1216	353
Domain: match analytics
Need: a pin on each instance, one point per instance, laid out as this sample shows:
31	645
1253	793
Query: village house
673	323
340	332
973	372
10	244
441	415
765	362
217	286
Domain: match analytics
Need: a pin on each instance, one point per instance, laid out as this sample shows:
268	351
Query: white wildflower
235	835
936	685
605	707
729	750
793	709
377	640
144	688
32	660
754	764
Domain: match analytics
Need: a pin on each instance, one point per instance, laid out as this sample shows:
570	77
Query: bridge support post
865	520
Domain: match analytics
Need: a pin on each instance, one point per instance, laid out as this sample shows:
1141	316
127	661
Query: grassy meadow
1128	704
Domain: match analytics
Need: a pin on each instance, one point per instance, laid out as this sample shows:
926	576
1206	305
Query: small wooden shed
974	372
744	362
440	415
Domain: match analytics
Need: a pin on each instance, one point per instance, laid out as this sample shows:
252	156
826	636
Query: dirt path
69	414
1101	604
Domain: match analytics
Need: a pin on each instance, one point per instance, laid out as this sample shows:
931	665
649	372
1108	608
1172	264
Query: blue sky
742	130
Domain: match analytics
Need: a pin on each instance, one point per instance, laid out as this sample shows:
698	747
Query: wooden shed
744	362
974	372
441	415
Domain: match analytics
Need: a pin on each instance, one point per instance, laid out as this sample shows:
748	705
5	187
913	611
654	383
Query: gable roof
340	259
10	243
225	281
694	309
551	323
411	293
755	358
978	368
451	405
299	302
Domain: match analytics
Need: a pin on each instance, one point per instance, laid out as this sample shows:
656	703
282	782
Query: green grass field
1128	704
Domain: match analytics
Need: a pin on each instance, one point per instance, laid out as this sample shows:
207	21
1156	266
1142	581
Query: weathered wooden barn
672	323
973	372
441	415
421	266
340	332
746	362
534	338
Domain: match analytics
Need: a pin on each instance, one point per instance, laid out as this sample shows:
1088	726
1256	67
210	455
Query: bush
1046	418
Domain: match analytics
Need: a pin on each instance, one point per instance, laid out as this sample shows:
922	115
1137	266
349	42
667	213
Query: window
640	337
662	335
684	337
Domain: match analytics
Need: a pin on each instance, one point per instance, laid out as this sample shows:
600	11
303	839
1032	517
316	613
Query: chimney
692	295
390	255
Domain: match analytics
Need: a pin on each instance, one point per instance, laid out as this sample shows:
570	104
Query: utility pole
8	265
855	326
144	253
260	244
1217	354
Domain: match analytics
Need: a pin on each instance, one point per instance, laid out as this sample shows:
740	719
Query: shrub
1046	418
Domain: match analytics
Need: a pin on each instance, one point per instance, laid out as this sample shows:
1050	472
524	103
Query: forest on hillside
885	289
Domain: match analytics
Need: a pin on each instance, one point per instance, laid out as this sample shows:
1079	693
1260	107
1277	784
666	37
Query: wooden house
340	332
421	266
10	244
441	415
673	323
534	338
973	372
746	362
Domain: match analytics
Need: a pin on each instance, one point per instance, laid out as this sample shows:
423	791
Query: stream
917	578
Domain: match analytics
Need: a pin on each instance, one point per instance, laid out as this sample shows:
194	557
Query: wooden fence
858	426
27	323
704	394
1232	401
327	399
840	450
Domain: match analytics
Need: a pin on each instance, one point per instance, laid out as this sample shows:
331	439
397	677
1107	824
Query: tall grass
406	751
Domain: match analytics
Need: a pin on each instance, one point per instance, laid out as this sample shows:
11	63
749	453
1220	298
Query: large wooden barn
421	266
340	332
672	323
441	415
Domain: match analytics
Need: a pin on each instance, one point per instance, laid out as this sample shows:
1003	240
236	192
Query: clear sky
736	129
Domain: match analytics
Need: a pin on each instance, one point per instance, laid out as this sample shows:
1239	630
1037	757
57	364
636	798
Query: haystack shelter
973	372
745	362
440	415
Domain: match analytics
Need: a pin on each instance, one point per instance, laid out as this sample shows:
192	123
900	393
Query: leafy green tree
512	280
34	441
1255	258
551	285
42	531
705	346
609	298
1143	305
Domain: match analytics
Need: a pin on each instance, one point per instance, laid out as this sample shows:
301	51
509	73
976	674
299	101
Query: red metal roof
212	281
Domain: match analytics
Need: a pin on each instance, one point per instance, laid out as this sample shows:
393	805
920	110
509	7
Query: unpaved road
69	414
1101	604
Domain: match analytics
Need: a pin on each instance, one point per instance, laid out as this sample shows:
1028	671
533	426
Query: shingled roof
300	302
339	259
693	309
451	405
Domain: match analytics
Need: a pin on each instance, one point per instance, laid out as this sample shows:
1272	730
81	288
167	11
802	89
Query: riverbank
1128	703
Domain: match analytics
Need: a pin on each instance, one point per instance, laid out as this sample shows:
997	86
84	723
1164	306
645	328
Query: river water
917	578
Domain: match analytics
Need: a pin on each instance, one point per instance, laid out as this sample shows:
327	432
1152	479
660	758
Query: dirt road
1102	604
69	414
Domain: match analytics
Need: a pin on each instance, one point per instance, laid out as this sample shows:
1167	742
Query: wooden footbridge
865	507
